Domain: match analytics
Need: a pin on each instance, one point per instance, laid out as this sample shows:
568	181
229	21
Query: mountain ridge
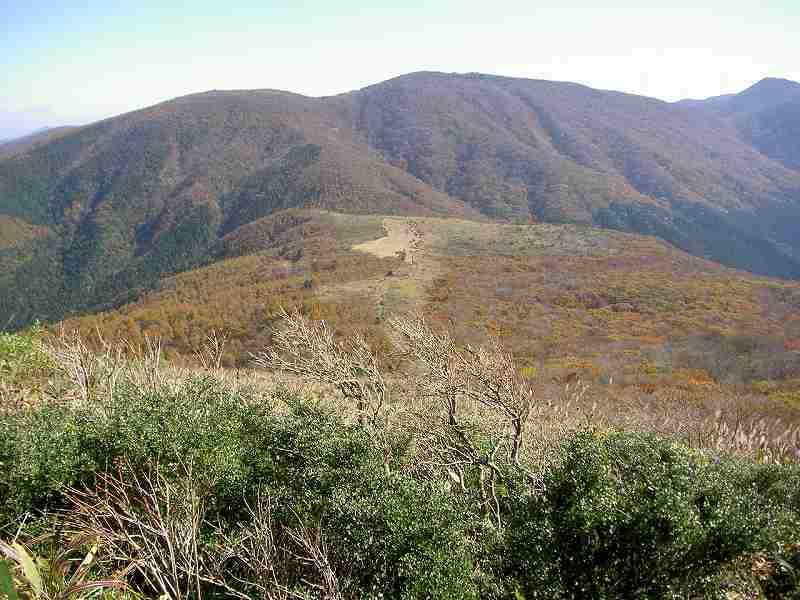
766	115
761	93
132	198
19	145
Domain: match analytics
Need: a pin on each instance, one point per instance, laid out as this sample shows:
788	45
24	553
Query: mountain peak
768	92
771	89
775	83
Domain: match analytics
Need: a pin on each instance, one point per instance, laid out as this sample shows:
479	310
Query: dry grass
145	523
483	386
448	396
308	358
568	300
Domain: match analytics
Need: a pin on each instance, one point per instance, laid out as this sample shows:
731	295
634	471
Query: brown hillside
154	192
572	301
561	150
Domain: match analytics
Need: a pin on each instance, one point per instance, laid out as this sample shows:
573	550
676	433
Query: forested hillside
96	216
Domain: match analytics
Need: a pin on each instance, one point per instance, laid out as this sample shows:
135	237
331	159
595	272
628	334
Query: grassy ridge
571	301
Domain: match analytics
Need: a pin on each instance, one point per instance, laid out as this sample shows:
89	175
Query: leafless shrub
458	381
313	552
310	350
93	375
449	384
254	548
259	559
452	375
76	361
210	353
148	524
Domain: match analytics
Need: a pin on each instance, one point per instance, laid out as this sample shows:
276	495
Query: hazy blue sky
76	61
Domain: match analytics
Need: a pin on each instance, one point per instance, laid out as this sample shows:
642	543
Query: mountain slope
772	124
565	152
569	299
566	149
121	203
20	145
767	115
148	193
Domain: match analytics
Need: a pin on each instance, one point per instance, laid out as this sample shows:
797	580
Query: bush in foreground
385	533
632	516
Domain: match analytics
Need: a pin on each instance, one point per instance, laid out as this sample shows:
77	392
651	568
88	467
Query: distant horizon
79	62
4	138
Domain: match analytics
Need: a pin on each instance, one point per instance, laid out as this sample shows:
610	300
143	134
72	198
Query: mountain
559	150
567	153
766	94
104	212
767	115
20	145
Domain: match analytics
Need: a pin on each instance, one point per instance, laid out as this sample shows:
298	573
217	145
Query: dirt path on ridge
402	288
402	240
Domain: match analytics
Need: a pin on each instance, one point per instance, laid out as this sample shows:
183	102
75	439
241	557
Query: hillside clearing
402	239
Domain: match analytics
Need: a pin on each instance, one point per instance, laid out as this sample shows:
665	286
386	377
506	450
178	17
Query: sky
72	62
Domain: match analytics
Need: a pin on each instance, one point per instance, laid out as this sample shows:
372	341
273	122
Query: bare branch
309	350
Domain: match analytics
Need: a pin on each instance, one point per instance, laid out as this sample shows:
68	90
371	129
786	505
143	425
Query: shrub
632	516
201	423
435	499
21	357
387	533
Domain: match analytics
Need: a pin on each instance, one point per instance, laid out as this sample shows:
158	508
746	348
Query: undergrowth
437	486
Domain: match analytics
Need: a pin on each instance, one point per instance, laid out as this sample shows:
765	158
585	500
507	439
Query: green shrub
618	516
386	533
21	358
39	452
391	534
632	516
201	424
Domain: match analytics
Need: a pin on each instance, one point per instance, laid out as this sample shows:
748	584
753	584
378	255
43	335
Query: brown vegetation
155	192
572	302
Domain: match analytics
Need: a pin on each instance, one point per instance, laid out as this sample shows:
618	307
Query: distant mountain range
103	211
